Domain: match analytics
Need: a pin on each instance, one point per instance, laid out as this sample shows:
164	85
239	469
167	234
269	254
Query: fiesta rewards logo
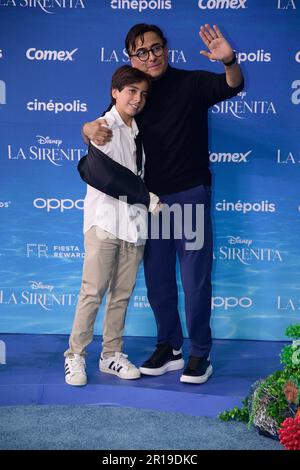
57	107
42	250
62	56
141	5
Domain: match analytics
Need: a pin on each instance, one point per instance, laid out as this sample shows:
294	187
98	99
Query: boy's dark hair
138	30
127	75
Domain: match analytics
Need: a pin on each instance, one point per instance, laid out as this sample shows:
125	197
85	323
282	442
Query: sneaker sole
168	367
114	372
76	384
197	380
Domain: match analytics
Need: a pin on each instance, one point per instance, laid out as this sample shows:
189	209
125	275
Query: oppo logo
230	302
221	4
62	56
58	204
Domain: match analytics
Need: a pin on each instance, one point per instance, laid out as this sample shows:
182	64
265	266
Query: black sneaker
164	359
197	371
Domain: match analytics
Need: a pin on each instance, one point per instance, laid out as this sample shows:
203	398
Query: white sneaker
75	370
119	365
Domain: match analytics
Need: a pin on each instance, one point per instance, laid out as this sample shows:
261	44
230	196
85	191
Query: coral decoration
291	392
289	433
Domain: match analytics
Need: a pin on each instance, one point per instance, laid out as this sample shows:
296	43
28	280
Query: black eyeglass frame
161	48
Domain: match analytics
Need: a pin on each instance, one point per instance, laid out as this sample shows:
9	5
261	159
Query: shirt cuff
154	200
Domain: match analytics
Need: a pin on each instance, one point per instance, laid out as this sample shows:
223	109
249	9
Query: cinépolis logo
141	5
47	6
245	207
51	106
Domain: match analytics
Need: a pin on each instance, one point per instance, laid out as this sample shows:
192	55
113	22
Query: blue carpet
34	374
110	428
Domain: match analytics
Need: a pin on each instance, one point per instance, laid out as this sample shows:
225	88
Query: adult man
174	130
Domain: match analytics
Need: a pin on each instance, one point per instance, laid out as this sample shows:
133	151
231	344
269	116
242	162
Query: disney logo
238	241
39	285
46	140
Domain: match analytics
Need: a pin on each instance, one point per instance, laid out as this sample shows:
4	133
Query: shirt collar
117	121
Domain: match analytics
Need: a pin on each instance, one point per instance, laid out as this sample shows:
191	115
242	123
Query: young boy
114	237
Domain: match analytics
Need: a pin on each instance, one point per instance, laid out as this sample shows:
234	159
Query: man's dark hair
127	75
138	30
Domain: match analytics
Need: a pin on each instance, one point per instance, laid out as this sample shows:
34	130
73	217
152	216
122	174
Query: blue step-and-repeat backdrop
56	61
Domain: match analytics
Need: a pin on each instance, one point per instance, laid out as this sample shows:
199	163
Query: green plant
268	401
236	414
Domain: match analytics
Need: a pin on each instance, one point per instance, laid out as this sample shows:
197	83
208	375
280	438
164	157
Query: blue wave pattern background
254	145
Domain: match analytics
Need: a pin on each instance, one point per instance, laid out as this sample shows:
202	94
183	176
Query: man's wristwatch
233	60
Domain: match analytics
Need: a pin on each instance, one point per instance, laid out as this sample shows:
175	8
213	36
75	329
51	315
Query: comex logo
2	353
227	157
2	92
221	4
141	5
58	204
36	54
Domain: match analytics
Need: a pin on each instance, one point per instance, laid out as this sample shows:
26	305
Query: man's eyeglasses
144	54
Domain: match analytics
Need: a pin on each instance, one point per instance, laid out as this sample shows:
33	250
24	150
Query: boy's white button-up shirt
126	222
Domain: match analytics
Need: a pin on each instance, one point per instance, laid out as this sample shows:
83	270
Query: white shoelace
121	359
77	363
